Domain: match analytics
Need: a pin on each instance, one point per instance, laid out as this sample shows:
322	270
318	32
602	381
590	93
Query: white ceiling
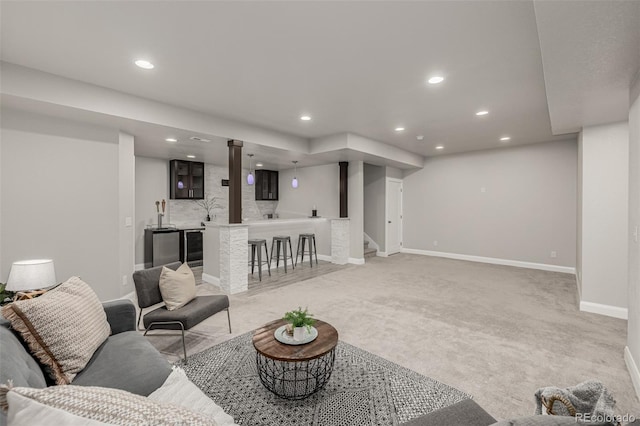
357	67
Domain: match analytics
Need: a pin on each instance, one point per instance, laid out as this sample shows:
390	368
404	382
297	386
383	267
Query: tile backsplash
188	213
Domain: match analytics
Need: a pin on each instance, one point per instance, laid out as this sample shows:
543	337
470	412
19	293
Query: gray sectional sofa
126	360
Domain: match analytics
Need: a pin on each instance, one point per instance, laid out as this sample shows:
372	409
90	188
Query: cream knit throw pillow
177	287
63	327
97	404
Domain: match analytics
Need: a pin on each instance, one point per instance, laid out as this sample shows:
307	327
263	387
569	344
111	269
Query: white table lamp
27	275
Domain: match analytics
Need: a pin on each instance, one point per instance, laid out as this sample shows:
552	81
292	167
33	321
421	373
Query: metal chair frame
184	346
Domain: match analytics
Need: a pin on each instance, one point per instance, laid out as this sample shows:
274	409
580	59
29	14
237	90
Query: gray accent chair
147	283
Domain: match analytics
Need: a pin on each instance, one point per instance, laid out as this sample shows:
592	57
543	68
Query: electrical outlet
125	280
435	242
635	235
553	254
483	189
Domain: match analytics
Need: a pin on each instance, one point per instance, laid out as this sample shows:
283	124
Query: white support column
234	252
340	241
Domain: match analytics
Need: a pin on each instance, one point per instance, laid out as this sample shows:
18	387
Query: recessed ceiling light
142	63
171	140
191	156
259	164
305	118
420	137
436	79
505	138
399	129
483	112
439	147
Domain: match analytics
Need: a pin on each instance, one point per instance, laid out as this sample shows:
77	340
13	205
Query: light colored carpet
496	332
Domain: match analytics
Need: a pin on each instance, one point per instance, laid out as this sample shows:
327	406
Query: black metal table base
295	380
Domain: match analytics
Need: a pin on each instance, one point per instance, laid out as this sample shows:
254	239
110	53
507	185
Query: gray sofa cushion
147	284
466	413
199	309
17	363
126	361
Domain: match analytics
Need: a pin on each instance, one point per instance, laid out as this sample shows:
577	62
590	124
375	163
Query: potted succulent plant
301	322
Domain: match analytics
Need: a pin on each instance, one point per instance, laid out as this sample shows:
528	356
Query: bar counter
226	251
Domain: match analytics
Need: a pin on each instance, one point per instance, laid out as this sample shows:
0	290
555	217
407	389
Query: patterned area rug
364	389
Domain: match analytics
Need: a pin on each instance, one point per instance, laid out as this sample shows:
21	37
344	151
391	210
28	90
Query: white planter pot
300	333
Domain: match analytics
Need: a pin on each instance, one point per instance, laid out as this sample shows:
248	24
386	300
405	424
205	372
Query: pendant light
294	182
250	178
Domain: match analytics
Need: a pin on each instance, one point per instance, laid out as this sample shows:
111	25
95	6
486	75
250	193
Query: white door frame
386	216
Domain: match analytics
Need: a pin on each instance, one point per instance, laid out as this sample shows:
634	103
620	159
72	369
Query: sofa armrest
465	412
121	315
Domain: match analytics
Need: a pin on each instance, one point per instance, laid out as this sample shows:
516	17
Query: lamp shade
31	275
250	179
294	182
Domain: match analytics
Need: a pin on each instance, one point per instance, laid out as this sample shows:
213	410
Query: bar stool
313	249
282	240
258	244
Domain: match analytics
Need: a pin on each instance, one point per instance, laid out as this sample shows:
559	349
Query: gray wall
527	209
604	215
374	203
633	340
318	185
60	198
393	172
152	183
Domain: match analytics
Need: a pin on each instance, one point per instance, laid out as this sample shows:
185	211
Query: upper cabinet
187	180
266	185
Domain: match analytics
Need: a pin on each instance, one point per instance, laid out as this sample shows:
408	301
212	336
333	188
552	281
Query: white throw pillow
177	287
24	411
95	405
179	390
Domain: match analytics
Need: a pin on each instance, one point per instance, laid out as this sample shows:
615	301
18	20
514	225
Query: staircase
369	252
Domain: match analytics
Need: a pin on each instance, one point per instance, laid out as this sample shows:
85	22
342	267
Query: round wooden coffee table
295	371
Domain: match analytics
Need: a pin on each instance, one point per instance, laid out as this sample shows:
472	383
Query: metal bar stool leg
266	253
272	242
303	241
315	248
284	252
298	248
259	261
253	257
291	251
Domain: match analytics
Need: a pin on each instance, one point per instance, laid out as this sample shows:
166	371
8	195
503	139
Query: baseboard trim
324	257
493	260
356	261
608	310
138	267
210	279
634	371
382	254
